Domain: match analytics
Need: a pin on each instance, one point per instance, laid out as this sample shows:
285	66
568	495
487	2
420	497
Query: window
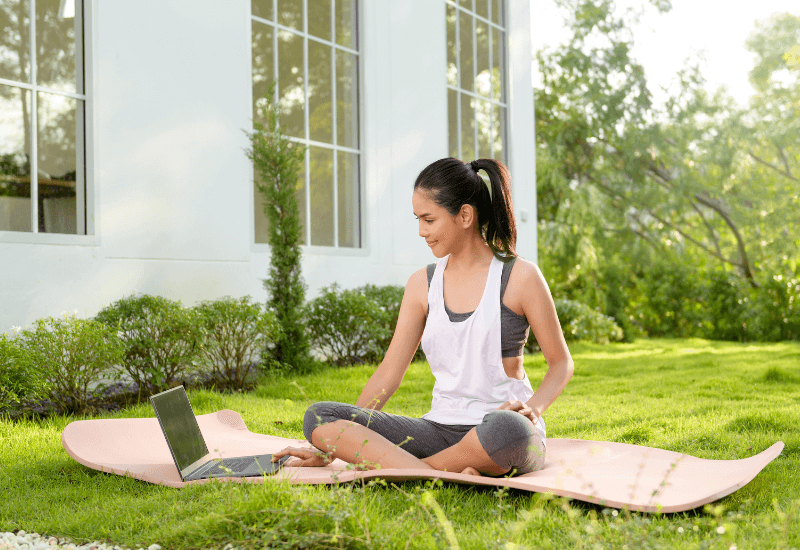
42	103
476	72
310	47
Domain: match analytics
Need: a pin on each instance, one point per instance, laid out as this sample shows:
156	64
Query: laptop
189	450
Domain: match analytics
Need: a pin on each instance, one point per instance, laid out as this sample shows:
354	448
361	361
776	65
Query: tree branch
777	169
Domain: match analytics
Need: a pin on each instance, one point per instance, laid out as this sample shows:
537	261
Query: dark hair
451	184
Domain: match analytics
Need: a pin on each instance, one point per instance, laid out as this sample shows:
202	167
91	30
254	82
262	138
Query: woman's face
436	226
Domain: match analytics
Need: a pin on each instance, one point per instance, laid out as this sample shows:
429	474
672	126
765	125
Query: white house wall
173	213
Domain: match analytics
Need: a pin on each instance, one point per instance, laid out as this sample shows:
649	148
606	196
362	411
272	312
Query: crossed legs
357	444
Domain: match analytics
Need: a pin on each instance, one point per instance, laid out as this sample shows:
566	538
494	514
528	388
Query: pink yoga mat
616	475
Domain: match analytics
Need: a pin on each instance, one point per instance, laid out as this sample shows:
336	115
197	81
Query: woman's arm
380	387
539	308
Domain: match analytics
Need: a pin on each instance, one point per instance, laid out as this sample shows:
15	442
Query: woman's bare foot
471	471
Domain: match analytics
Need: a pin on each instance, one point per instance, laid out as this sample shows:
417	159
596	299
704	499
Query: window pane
15	39
498	56
320	116
56	45
465	34
349	200
483	79
482	8
319	18
452	123
483	115
467	128
261	219
499	133
346	34
321	196
498	12
59	170
452	66
290	80
347	99
290	13
15	170
263	65
262	8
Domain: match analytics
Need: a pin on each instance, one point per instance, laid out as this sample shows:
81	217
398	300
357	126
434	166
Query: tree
278	161
679	177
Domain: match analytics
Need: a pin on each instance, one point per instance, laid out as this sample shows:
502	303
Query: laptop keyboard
235	464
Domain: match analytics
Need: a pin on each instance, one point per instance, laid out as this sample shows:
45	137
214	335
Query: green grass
715	400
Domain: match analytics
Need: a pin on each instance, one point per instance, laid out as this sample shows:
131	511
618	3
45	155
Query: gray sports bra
513	327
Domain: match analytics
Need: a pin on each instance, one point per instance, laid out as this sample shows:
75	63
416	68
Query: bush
580	322
672	301
19	378
72	354
725	300
774	313
162	339
347	326
236	333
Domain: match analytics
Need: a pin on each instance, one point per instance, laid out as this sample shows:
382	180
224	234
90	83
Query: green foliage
71	354
278	163
19	376
236	332
347	325
580	322
162	338
650	213
388	298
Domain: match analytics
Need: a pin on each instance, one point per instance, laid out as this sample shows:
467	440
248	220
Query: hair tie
487	181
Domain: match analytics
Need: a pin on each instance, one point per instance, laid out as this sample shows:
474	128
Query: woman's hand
310	457
520	407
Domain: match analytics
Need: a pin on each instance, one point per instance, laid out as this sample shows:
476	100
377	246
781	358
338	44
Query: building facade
133	118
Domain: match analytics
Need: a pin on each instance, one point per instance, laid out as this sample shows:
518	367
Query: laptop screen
180	426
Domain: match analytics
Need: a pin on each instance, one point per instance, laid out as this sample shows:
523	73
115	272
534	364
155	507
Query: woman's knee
318	414
511	441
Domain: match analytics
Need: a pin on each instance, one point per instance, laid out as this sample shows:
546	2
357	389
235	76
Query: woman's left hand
520	407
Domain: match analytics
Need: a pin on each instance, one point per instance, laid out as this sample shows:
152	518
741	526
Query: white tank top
465	357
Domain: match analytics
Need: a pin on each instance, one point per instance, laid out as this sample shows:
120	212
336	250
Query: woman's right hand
309	457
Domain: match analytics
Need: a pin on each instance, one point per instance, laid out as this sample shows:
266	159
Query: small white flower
721	530
75	312
16	329
680	529
63	314
614	513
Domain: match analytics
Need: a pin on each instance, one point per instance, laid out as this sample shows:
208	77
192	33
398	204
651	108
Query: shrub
19	377
72	354
726	300
774	313
673	300
278	162
236	332
347	326
162	338
388	298
580	322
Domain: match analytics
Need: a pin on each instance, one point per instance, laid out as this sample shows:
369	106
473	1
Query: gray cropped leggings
509	438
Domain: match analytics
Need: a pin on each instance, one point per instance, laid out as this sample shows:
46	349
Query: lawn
716	400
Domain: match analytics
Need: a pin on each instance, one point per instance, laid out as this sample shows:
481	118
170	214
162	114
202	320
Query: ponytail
452	184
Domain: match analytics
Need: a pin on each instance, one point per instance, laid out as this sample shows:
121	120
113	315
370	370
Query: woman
484	417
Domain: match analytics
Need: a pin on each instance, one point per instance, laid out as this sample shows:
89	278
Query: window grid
335	147
494	102
80	132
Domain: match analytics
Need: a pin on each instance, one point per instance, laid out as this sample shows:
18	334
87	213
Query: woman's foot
471	471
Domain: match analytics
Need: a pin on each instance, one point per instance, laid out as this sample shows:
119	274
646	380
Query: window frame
359	110
494	102
88	131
